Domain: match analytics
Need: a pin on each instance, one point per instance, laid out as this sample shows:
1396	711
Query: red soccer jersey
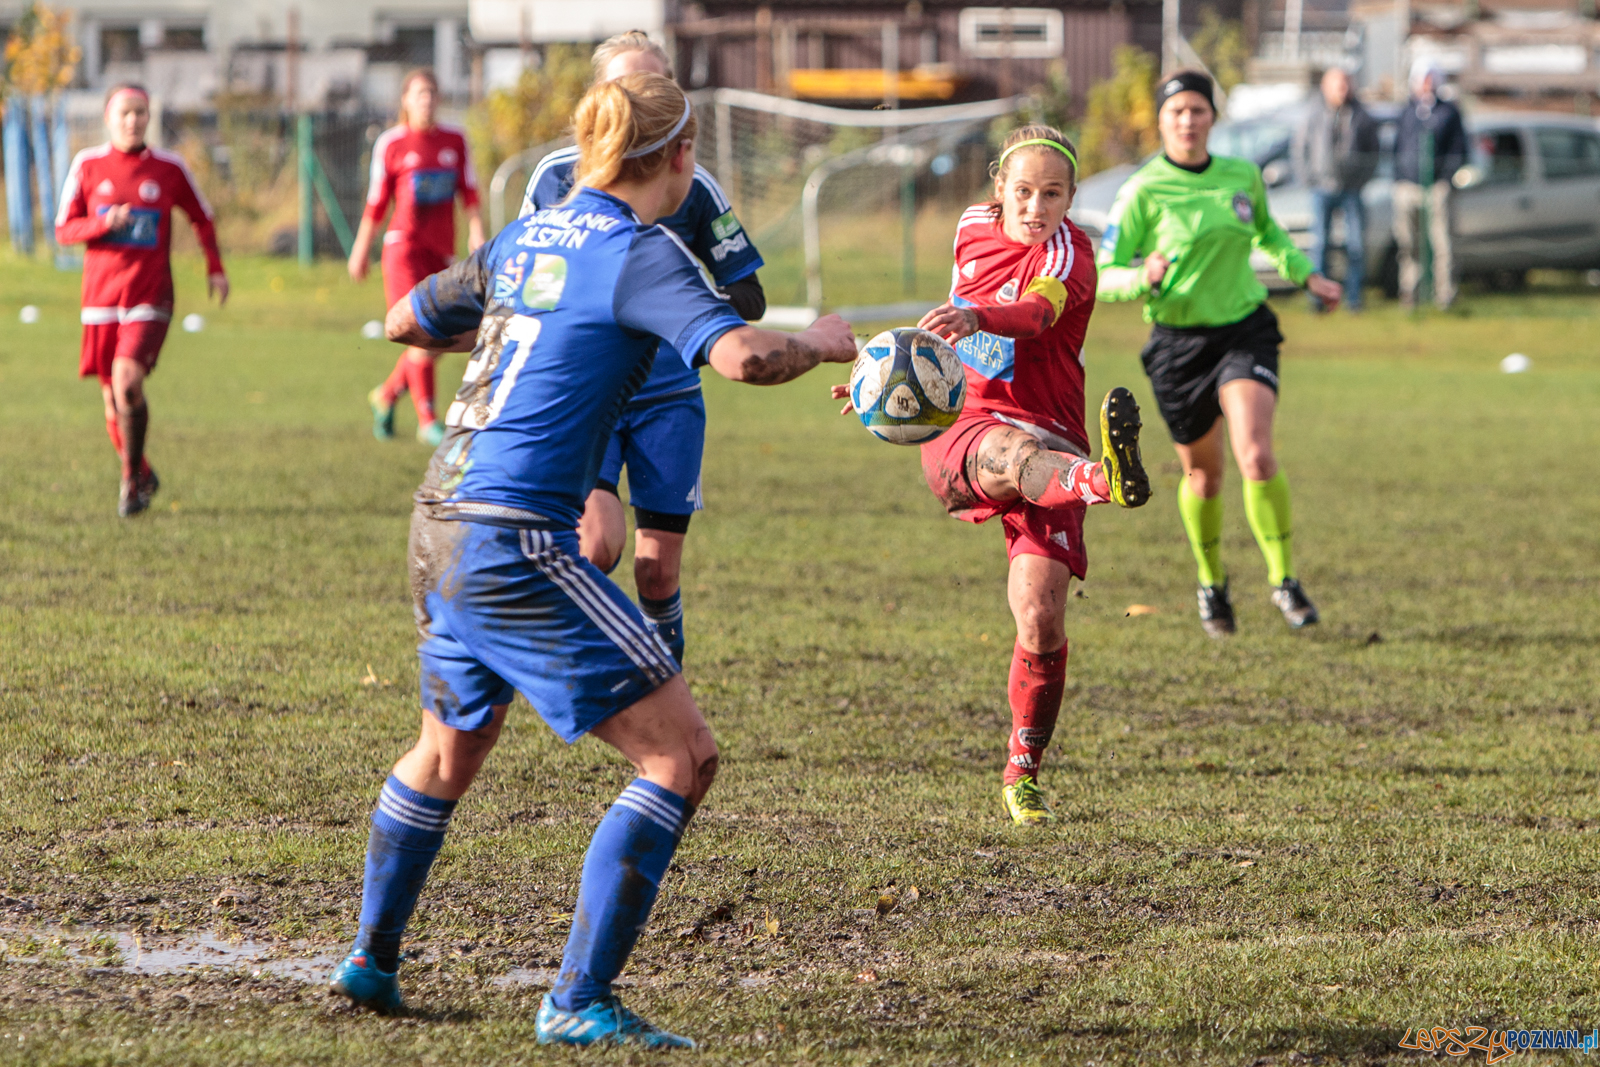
127	273
422	172
1036	383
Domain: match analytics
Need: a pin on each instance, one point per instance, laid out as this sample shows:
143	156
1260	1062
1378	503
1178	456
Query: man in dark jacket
1336	153
1430	146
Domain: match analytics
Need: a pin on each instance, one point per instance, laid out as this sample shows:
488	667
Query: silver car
1529	197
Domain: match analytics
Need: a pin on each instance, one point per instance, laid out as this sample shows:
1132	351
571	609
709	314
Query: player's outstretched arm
771	357
402	327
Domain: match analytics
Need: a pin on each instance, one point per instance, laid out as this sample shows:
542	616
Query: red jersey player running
421	167
1023	287
119	198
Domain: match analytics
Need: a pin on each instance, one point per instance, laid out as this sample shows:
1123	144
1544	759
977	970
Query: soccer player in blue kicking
661	433
573	302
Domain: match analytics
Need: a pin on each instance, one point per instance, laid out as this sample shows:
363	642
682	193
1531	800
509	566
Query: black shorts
1188	366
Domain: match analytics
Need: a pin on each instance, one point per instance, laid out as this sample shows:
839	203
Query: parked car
1529	197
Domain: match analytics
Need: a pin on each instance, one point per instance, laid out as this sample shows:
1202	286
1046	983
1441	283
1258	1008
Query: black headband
1185	81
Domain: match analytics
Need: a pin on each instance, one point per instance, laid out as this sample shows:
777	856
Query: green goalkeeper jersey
1206	224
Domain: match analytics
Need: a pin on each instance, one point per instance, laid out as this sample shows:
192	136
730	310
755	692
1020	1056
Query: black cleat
130	501
1298	610
1119	443
1216	610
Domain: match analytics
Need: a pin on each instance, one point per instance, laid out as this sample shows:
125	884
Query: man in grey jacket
1430	145
1336	153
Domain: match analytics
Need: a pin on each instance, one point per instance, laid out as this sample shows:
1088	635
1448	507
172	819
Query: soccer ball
908	386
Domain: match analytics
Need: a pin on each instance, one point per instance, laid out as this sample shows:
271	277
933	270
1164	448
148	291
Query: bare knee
1040	627
601	553
656	579
705	772
1256	462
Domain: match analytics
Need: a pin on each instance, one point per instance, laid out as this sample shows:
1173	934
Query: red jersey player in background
119	198
421	167
1023	287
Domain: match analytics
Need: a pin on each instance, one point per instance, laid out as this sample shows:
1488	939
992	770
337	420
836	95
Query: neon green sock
1266	506
1202	521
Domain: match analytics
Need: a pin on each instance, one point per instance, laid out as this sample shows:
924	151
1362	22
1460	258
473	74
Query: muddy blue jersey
570	304
705	222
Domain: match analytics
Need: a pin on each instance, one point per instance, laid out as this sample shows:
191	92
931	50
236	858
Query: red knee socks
419	376
396	383
1035	688
1078	482
113	432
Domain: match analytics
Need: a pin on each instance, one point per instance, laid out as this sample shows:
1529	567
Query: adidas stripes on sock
407	830
667	614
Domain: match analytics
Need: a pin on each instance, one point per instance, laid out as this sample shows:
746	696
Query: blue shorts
502	610
660	442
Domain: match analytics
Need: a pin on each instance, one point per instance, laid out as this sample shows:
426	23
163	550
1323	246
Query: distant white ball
193	323
908	386
373	330
1515	363
30	315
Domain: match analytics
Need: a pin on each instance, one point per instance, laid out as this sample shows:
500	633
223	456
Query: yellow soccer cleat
1025	804
1119	445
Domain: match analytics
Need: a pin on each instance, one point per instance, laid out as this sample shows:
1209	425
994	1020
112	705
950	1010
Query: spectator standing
1430	146
1336	154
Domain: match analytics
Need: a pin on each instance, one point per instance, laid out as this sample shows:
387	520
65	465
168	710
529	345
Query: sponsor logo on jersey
448	157
142	230
725	225
737	243
969	270
1108	240
105	188
149	191
1008	292
1243	208
991	356
433	186
546	282
509	280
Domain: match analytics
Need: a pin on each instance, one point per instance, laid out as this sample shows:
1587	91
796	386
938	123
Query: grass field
1279	849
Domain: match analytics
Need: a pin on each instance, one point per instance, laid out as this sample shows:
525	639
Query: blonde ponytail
617	117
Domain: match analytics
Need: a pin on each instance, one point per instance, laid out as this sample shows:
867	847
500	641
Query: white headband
657	146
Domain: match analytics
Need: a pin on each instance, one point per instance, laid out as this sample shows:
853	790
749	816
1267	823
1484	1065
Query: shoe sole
1119	437
338	989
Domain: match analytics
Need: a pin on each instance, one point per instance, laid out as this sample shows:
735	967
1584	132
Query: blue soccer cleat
605	1021
367	987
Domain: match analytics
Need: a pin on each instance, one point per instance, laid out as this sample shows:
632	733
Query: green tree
1120	124
1220	42
535	110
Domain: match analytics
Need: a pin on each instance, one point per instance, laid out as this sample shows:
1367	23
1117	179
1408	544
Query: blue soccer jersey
570	304
706	223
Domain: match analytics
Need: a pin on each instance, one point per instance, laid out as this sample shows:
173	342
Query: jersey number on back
522	331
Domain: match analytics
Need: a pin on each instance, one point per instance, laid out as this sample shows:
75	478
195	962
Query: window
1018	32
1498	156
121	45
1568	153
185	39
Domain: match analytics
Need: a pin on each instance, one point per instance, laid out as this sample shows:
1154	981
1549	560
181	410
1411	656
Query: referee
1195	218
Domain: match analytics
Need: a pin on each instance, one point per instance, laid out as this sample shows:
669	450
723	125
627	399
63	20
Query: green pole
1425	218
307	204
908	229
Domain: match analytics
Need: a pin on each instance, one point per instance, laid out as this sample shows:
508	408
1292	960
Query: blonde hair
621	116
622	43
1033	132
415	74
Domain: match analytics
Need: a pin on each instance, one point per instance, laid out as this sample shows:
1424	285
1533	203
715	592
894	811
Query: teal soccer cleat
367	987
605	1021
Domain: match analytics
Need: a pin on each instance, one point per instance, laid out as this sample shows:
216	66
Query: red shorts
1054	533
404	265
103	342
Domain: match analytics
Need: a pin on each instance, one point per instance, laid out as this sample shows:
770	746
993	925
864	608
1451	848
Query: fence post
19	198
307	204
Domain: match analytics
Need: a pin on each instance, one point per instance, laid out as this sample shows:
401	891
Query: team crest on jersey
1008	292
546	283
105	188
509	280
969	270
149	191
447	157
411	160
1243	208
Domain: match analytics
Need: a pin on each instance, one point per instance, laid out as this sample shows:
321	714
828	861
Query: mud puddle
128	952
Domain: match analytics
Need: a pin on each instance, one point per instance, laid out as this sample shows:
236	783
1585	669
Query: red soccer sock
395	384
419	376
1035	688
116	442
1081	482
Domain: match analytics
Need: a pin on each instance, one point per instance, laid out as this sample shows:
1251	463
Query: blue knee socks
407	830
668	616
621	872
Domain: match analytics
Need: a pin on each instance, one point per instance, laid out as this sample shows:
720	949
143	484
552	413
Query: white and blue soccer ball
907	386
